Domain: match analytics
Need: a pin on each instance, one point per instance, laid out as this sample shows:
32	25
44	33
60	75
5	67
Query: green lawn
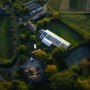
65	32
5	39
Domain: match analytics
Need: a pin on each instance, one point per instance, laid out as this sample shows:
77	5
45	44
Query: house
35	10
49	38
33	71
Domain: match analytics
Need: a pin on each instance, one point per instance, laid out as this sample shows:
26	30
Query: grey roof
31	26
33	7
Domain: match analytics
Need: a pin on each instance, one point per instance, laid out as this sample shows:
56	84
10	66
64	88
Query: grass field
5	39
65	32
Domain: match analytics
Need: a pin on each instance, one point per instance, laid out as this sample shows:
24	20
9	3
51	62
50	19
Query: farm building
49	38
35	9
31	26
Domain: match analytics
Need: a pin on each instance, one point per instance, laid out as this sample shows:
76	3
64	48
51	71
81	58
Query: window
62	44
44	34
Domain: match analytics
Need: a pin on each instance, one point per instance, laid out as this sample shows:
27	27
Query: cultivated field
5	39
65	32
79	22
70	5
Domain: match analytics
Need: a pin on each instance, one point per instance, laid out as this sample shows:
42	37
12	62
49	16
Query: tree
19	74
65	80
18	8
25	10
4	85
33	38
23	49
39	25
3	2
23	59
58	54
46	21
43	23
23	38
85	84
56	15
21	25
41	56
50	70
19	85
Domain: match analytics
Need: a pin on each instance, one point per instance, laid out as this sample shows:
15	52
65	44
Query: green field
65	32
5	39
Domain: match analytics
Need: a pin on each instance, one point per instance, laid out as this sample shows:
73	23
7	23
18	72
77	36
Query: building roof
35	10
31	26
57	37
47	42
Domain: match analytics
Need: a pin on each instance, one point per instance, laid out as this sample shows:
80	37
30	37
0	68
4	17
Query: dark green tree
5	85
65	80
58	54
41	56
19	85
